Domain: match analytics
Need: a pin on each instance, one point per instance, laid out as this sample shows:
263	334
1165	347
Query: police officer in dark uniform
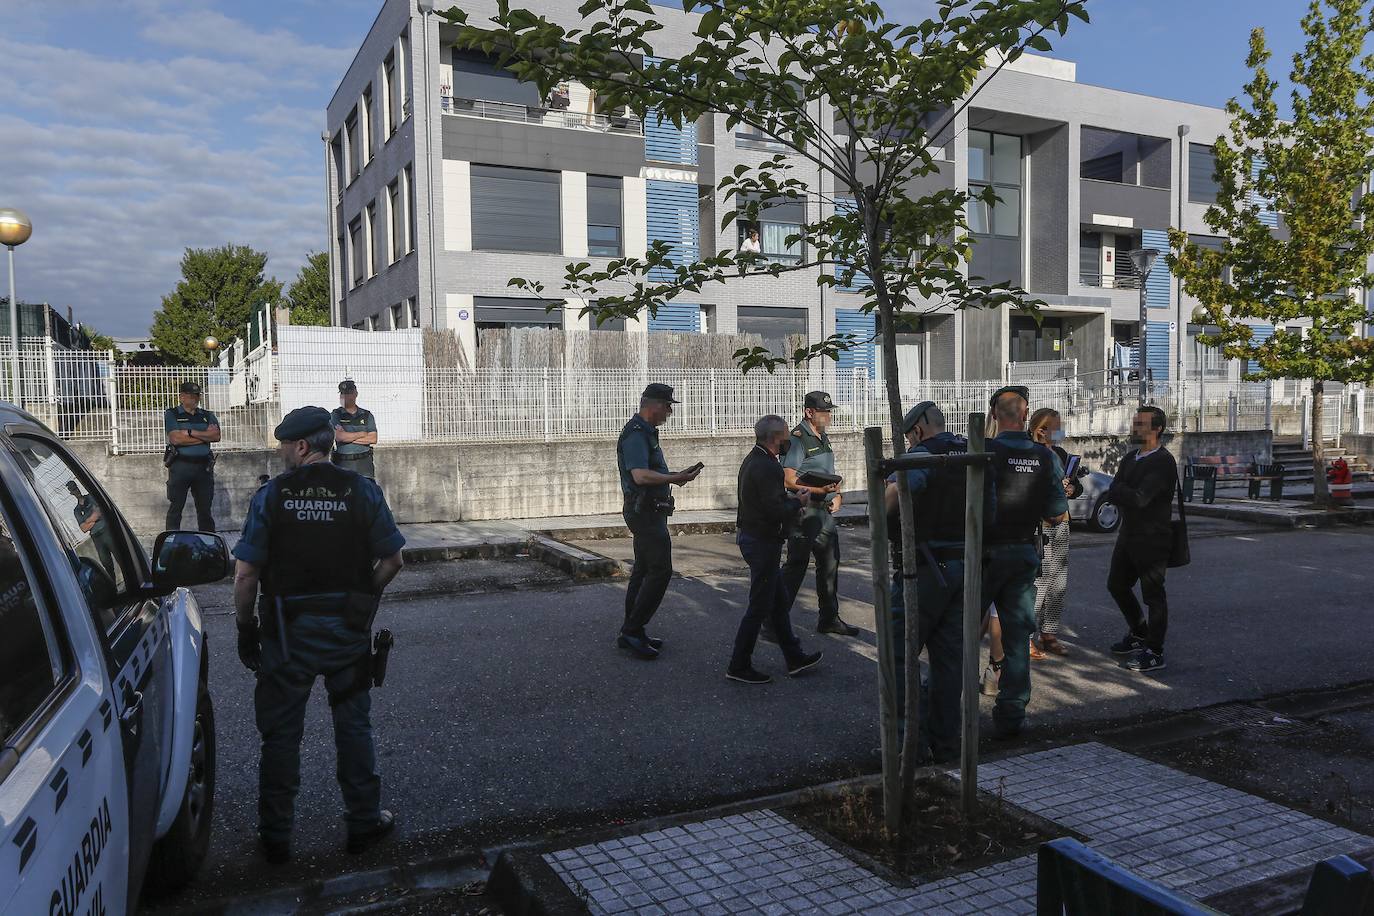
190	464
91	521
355	432
1029	485
938	499
318	547
817	534
646	482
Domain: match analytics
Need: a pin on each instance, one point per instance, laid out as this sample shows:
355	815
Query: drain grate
1256	719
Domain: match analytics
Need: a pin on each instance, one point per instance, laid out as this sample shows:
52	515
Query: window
1212	243
366	127
30	655
336	150
502	312
782	329
408	176
396	316
372	240
396	210
515	210
353	141
1103	168
1202	174
603	216
373	322
404	83
995	160
343	263
356	253
389	88
87	526
479	76
777	222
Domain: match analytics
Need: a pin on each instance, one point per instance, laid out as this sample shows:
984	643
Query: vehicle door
133	630
63	798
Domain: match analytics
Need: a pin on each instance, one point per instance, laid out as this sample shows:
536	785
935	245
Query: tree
308	295
217	293
788	70
100	341
1308	284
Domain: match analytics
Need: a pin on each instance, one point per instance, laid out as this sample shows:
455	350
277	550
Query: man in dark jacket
765	514
1144	491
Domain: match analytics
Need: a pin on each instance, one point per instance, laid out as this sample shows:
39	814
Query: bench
1210	469
1259	473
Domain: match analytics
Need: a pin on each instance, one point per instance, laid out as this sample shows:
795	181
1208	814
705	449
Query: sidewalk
1192	835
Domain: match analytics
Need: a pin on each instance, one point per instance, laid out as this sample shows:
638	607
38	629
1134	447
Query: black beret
300	423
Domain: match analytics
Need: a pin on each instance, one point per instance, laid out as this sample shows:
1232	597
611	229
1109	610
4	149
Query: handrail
540	115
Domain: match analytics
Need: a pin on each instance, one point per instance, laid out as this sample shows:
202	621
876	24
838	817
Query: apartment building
447	177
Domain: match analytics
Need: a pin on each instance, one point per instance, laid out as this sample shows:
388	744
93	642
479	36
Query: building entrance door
1033	343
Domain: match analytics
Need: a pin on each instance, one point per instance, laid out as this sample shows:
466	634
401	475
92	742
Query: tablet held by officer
646	483
190	463
816	535
1028	483
318	547
355	432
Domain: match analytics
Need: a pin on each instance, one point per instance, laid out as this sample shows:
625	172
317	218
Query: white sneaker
991	676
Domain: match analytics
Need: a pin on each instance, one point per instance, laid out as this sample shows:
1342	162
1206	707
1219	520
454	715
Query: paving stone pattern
1185	832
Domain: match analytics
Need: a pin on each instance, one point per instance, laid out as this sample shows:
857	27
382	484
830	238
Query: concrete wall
1362	445
1104	452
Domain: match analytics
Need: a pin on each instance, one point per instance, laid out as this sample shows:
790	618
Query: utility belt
353	456
644	502
356	609
194	459
935	555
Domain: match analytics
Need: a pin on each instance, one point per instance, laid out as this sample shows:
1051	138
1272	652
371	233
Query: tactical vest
938	510
319	524
1022	478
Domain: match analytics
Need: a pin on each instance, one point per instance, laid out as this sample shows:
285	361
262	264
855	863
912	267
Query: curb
526	885
582	565
1280	518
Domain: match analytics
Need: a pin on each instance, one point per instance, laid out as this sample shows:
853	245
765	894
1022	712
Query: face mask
1057	436
786	444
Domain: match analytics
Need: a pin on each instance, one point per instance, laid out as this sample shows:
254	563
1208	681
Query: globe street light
15	230
1144	261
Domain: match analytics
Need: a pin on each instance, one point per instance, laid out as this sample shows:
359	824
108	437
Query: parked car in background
107	760
1091	506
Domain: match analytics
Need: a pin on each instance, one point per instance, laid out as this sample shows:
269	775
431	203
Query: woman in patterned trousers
1051	588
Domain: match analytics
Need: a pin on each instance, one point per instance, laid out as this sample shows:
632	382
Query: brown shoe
1035	653
1052	645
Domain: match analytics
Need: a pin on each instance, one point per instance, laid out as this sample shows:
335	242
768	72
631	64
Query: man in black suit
765	514
1144	491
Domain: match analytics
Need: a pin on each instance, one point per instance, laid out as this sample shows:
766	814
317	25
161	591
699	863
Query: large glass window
777	222
1202	177
995	160
502	312
389	79
356	254
405	69
374	239
367	125
396	208
409	177
30	655
479	76
603	216
516	210
782	329
354	147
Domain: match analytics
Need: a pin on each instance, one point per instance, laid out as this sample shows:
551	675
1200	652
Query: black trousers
817	536
199	480
769	599
1145	563
653	567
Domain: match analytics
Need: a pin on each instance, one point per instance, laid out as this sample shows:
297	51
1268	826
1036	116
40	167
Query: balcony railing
546	117
1109	281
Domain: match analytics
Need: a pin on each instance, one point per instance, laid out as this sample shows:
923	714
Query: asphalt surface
509	714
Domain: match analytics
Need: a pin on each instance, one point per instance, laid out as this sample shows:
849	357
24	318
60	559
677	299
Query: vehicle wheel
178	856
1106	517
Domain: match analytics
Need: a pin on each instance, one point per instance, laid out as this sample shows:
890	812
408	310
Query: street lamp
15	230
1144	261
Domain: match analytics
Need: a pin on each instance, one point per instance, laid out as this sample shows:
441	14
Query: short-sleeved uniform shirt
200	420
383	537
361	421
1053	502
638	448
85	507
809	452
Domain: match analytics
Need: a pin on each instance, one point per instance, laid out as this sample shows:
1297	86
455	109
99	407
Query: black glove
250	645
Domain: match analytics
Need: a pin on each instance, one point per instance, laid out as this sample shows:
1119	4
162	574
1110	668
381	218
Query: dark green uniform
357	458
316	531
646	515
817	535
192	470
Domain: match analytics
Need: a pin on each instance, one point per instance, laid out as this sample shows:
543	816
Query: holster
381	651
646	502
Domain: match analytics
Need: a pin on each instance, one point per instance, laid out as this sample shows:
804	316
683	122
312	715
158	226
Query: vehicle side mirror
189	558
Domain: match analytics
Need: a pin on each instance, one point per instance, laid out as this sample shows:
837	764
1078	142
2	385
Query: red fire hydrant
1339	478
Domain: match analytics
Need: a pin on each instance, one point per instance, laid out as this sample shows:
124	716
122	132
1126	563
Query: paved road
509	714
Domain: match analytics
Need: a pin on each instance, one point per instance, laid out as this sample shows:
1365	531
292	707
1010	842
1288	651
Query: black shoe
749	676
838	627
801	664
277	852
1147	661
655	642
639	646
360	840
1006	732
1129	645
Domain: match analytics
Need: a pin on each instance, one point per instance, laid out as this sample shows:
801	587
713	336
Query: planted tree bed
941	840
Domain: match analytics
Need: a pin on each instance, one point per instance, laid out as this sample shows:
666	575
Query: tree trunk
1321	496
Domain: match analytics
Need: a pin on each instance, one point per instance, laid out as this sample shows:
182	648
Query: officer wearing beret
817	534
318	547
190	465
646	484
355	432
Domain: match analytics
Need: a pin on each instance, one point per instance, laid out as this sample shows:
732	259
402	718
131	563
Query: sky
131	130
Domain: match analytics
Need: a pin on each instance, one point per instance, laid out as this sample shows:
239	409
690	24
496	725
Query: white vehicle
107	741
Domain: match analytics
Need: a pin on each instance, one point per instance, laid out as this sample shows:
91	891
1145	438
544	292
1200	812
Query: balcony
541	116
1108	281
1143	205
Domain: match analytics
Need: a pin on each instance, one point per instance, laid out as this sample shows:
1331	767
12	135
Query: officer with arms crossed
190	466
646	482
91	521
817	534
1028	483
355	432
320	544
938	503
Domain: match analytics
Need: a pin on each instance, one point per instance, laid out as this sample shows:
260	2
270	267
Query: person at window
190	463
355	432
751	245
1051	589
90	520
